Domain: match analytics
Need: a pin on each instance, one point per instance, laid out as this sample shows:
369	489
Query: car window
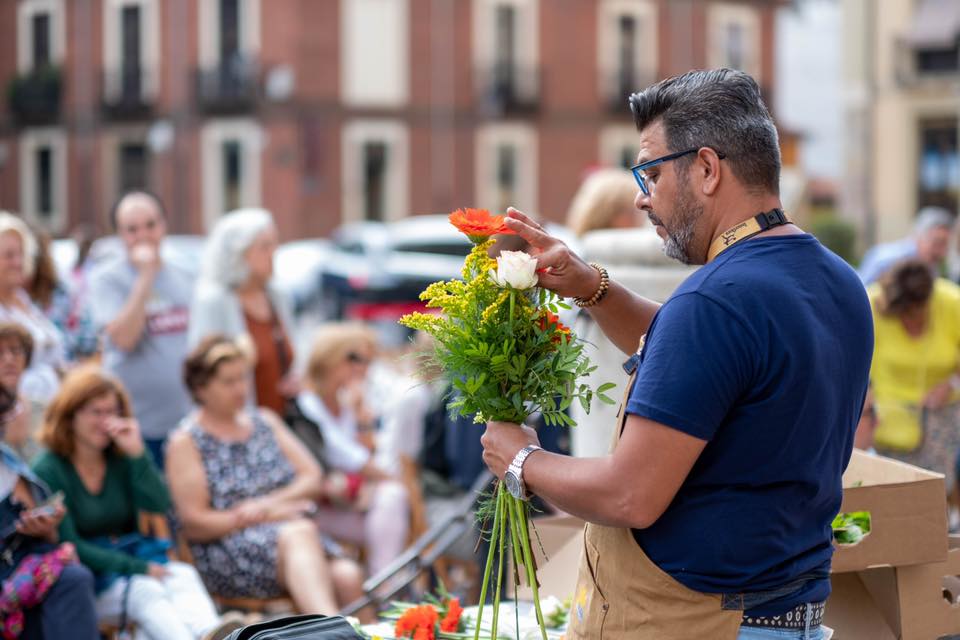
349	246
459	249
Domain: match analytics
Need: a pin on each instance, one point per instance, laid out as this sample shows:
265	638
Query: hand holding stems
501	441
559	269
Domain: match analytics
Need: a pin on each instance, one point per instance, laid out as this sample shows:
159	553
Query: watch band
517	464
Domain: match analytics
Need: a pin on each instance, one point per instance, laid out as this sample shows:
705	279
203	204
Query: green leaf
605	399
584	402
606	386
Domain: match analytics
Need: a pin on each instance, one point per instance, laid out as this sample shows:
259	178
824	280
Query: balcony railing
230	87
509	88
128	92
34	97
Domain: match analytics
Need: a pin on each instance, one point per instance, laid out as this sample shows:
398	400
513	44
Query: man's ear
708	168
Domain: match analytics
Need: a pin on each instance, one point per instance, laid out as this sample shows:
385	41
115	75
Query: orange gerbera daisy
478	223
417	622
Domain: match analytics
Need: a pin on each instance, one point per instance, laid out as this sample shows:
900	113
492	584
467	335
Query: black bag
299	628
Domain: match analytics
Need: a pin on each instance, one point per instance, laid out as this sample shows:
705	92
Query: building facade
326	111
902	73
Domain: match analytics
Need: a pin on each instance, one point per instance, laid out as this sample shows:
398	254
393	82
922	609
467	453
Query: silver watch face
513	484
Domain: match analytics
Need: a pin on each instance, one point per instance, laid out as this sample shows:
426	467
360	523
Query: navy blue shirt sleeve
697	361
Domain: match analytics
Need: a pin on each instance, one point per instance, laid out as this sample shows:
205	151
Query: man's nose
642	201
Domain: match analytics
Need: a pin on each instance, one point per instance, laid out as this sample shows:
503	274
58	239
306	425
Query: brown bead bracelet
599	293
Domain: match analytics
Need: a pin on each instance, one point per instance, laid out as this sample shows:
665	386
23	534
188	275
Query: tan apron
621	593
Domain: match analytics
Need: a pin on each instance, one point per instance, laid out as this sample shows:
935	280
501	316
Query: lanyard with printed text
746	229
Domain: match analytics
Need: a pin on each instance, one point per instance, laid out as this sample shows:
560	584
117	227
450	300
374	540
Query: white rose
515	269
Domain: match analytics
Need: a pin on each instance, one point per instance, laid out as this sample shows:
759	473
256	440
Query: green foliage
835	233
507	352
850	528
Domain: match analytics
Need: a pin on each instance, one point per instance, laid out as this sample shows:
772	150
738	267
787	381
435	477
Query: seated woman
18	247
97	459
331	418
243	487
45	593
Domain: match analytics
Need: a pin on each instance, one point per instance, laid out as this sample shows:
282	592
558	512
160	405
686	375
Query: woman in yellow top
915	367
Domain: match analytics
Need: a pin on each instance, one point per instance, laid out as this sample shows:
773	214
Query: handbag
133	544
308	627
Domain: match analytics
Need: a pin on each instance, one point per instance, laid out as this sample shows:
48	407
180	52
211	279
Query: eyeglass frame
638	169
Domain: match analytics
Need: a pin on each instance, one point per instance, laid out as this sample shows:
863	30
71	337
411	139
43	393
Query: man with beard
710	518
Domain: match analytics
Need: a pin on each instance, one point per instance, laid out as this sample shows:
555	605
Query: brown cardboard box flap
908	513
895	603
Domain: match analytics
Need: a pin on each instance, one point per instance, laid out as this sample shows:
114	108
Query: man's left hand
501	443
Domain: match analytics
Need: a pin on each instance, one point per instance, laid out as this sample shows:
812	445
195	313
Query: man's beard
686	213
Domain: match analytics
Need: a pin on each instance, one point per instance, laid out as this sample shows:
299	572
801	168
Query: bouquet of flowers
499	338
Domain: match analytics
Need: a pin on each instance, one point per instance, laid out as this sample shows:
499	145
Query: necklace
746	229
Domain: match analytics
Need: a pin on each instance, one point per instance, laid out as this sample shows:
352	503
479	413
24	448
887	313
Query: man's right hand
559	269
145	258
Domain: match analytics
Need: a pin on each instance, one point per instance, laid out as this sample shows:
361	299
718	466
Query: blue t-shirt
765	354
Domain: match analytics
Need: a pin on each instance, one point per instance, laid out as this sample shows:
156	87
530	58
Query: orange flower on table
417	623
551	321
451	621
478	223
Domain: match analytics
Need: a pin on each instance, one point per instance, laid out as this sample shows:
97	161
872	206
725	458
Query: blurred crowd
137	389
132	387
912	411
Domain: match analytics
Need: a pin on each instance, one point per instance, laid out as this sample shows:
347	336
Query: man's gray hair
932	218
223	262
721	109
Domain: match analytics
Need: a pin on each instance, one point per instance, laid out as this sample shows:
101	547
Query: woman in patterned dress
243	487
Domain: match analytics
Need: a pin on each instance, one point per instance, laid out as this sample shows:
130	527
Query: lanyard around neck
746	229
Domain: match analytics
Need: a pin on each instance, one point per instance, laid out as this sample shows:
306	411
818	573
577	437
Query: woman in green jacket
97	459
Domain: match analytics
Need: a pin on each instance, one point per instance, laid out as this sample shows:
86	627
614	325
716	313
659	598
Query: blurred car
376	270
297	271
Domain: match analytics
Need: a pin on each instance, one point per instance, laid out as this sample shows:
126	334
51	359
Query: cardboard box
908	512
558	556
896	603
887	587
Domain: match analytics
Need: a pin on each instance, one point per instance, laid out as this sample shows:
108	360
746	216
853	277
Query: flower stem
494	534
501	511
520	515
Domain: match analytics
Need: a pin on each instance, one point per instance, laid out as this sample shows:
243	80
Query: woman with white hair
18	250
234	298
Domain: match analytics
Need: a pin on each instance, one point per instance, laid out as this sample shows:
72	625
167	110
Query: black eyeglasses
638	169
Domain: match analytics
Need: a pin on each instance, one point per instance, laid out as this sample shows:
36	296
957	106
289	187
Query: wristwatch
513	478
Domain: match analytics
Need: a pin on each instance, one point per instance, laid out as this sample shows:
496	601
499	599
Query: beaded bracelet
599	293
